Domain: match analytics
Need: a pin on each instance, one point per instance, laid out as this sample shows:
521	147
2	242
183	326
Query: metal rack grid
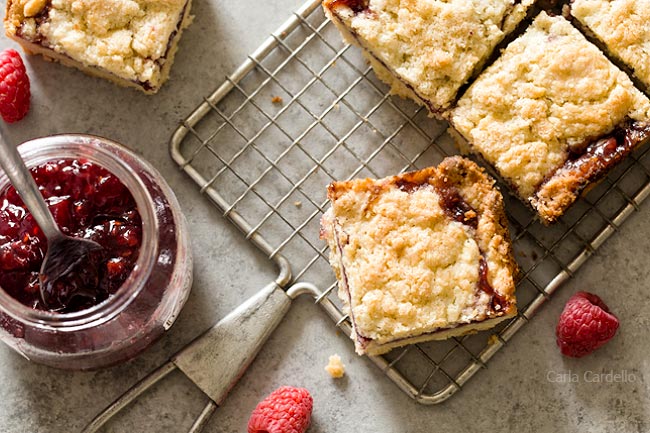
305	109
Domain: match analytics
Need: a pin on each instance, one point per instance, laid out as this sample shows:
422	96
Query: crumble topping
422	255
623	26
433	46
128	38
548	95
410	266
405	266
33	7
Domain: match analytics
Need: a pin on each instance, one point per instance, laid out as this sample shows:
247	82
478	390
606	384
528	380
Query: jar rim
109	155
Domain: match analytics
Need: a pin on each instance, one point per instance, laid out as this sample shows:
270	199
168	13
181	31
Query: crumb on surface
277	100
297	203
335	367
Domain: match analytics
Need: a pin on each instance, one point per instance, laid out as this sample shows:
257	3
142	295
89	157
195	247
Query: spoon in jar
69	268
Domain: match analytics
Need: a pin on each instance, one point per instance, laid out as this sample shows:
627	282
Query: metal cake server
216	360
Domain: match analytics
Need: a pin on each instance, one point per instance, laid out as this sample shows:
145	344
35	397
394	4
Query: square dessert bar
552	115
622	25
420	256
129	42
426	49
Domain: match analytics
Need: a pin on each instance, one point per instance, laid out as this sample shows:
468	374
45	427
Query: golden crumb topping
549	92
128	38
34	7
433	45
623	26
409	265
405	267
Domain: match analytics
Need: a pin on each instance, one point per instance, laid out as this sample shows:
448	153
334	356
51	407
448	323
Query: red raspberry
585	324
14	86
285	410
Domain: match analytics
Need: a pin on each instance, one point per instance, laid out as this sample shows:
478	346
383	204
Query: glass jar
148	302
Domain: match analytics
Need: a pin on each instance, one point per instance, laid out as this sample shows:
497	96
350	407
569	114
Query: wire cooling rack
304	110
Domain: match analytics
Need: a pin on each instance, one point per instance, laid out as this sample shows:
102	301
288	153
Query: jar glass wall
150	299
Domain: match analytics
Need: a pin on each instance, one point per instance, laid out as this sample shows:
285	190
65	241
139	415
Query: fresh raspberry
14	86
285	410
585	324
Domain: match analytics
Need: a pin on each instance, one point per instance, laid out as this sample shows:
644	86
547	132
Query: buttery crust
407	270
426	50
129	42
622	25
541	105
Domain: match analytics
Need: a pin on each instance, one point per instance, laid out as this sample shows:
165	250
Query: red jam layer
86	201
357	6
456	208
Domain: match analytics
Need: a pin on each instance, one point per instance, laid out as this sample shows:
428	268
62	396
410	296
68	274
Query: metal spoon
65	272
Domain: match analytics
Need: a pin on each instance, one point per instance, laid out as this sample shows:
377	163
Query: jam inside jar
86	201
99	190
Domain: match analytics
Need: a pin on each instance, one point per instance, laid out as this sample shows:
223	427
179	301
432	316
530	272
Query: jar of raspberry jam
114	197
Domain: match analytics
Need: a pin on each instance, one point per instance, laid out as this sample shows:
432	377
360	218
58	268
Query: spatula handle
216	360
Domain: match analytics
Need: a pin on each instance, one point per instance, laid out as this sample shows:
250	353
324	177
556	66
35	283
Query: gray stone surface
523	390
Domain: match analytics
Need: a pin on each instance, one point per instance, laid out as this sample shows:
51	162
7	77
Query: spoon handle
13	165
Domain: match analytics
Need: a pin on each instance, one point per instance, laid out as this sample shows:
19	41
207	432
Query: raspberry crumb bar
420	256
426	49
552	115
129	42
622	25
